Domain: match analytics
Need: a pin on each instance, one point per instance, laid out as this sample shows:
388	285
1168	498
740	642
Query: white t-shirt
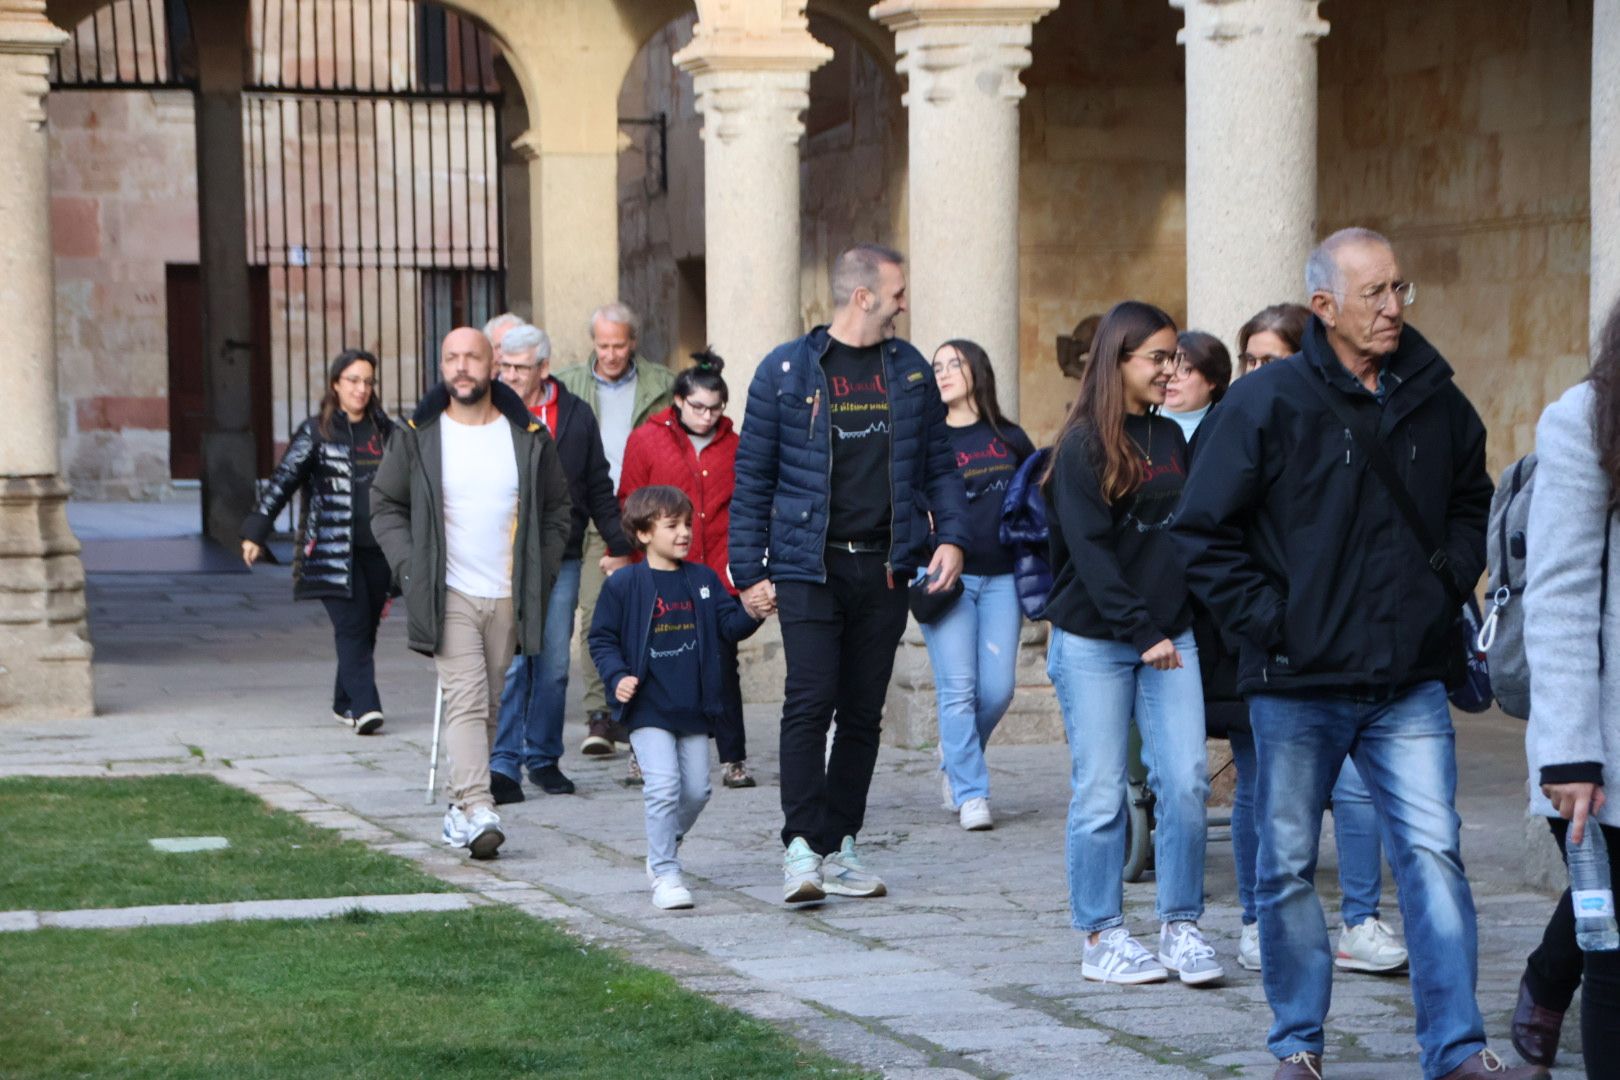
480	506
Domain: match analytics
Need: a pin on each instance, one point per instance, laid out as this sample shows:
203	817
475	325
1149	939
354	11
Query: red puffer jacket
661	452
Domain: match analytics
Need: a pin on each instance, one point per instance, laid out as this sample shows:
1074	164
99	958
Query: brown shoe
598	738
1300	1066
1485	1065
1535	1030
734	774
633	778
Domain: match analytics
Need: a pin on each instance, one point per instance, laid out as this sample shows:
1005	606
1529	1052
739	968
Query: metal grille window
129	44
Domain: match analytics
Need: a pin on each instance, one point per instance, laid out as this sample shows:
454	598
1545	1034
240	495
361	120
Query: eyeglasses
704	410
942	366
507	365
1160	357
1404	292
358	380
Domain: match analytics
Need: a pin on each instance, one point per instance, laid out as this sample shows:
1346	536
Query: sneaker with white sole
455	827
343	718
1119	958
1371	947
1249	947
975	815
843	873
670	893
368	723
1182	949
801	873
484	835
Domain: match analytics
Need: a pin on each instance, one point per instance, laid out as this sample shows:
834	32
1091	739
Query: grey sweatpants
675	788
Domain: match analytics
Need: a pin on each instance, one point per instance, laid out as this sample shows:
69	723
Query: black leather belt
858	547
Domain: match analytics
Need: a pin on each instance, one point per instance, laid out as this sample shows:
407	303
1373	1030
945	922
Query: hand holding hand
251	552
1575	803
759	599
626	689
945	567
1163	656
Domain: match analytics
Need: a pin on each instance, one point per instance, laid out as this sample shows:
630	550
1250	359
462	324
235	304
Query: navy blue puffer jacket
784	462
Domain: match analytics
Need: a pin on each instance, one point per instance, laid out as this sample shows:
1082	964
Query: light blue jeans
674	791
1100	686
536	692
1355	830
1405	750
973	650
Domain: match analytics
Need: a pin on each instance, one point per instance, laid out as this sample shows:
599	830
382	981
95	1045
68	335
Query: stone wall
123	204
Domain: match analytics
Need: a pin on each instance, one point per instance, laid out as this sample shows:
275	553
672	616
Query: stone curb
238	911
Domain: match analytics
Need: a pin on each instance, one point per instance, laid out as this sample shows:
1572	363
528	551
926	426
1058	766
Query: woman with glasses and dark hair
1203	372
1273	333
973	645
330	462
692	446
1122	647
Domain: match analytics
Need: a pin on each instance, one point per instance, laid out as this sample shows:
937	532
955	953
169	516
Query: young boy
655	640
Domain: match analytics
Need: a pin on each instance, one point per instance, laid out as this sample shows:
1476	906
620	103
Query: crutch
433	758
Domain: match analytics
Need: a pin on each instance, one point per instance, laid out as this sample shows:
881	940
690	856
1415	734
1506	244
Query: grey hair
524	338
616	312
499	321
858	268
1322	271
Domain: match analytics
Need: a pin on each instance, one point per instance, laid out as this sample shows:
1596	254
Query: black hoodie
1295	544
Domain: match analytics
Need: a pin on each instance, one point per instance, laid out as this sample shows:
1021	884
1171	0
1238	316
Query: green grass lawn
77	843
485	994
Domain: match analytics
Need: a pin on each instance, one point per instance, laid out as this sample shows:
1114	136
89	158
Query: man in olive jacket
623	389
471	508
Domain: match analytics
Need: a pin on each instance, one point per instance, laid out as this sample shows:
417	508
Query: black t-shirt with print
367	455
986	462
672	695
858	408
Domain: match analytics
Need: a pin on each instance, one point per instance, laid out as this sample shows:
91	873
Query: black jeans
839	639
730	740
354	631
1558	967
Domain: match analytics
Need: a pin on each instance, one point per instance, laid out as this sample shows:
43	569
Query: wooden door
188	399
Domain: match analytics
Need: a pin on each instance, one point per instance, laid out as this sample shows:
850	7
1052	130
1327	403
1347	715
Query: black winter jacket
1294	543
322	471
590	484
780	509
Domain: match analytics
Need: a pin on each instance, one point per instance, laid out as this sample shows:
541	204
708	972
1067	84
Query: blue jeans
973	650
1405	750
1355	829
1100	686
532	703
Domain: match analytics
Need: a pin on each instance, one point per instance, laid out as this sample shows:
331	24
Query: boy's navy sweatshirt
621	628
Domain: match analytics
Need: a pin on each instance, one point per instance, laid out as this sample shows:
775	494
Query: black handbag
927	607
1468	675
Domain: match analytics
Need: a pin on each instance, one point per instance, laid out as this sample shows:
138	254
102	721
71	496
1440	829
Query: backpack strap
1439	561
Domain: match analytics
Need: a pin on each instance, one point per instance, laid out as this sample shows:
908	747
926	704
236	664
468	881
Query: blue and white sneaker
484	835
801	873
843	873
455	827
1119	958
1182	949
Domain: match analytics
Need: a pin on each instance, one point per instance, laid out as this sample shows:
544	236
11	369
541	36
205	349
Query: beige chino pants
475	648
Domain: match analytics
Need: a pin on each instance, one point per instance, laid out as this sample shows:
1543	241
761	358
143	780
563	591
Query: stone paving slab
967	969
238	911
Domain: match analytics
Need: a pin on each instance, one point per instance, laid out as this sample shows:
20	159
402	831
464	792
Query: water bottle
1592	892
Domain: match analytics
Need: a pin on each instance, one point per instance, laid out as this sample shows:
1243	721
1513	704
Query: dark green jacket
655	385
407	517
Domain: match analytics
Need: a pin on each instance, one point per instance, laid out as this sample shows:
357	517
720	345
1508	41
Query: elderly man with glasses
1333	520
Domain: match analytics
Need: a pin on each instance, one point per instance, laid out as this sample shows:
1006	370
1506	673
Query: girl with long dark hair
330	462
973	646
1122	645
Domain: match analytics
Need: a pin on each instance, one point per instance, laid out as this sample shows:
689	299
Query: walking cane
433	758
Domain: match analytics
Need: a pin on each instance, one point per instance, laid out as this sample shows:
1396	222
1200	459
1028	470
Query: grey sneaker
1249	947
842	873
1182	948
801	873
1119	958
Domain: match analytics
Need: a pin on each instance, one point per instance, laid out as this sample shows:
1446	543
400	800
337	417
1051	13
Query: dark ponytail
704	374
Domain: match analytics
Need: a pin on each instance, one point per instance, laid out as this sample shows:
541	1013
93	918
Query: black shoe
504	788
551	780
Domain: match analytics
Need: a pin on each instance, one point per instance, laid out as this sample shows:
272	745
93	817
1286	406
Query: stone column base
44	637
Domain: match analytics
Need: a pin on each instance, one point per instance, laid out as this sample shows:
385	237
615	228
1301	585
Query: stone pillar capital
950	47
527	145
1229	20
725	47
900	15
29	38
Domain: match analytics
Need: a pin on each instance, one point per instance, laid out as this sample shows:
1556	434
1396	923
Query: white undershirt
480	506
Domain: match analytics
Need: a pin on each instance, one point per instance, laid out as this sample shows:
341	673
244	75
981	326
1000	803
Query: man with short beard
470	505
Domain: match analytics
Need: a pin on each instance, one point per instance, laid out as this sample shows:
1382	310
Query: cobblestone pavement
968	967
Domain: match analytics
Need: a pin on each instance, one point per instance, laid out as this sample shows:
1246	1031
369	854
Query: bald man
474	472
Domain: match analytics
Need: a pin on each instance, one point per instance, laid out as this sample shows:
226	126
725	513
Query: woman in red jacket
691	446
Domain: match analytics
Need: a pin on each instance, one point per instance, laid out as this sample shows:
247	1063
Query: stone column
44	641
961	59
1251	156
1605	193
229	452
751	89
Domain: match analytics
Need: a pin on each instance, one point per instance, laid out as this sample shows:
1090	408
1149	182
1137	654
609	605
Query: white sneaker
484	835
947	800
801	873
1249	947
975	815
1182	949
455	827
1119	958
1371	947
843	873
670	893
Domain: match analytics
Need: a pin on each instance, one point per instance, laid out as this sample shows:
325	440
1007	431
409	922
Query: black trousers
354	632
839	639
1558	968
730	740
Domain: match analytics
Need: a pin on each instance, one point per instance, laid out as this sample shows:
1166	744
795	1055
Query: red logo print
997	449
662	607
842	387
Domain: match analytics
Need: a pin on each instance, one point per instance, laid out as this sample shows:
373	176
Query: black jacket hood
437	399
